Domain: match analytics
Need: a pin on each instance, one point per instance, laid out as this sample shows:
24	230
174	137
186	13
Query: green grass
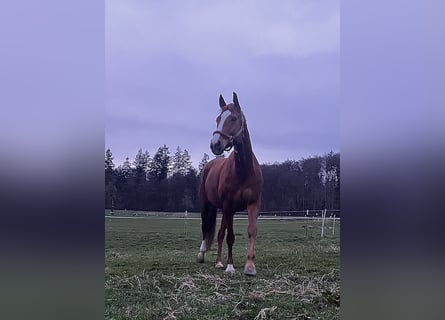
151	272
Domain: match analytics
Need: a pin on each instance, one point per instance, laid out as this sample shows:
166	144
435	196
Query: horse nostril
216	147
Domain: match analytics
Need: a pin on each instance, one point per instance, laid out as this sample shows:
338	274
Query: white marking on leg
203	246
202	251
201	256
219	265
224	117
230	268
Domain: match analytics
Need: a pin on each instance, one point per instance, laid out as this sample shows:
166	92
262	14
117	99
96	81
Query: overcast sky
168	61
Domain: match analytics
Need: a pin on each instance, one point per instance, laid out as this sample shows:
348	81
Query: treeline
168	182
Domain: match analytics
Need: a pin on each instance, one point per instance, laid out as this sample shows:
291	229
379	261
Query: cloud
167	62
210	31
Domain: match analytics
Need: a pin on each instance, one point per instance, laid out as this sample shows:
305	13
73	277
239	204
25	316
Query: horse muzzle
222	142
216	147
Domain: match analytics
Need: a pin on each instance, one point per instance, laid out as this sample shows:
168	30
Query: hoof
250	271
219	265
200	257
230	269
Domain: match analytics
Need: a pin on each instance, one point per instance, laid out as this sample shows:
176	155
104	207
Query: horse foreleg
230	241
252	210
221	234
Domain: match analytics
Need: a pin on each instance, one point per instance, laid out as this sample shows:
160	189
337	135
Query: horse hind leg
201	253
203	247
221	235
208	220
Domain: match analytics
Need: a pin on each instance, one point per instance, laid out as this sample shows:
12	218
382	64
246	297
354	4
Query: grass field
151	272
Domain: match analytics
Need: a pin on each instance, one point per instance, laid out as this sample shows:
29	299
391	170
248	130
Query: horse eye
233	118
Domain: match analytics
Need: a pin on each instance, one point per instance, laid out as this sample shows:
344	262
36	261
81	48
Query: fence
322	221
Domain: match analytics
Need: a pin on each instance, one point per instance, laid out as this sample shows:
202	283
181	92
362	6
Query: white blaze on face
223	119
203	246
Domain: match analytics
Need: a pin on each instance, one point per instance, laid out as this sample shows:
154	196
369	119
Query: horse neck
244	153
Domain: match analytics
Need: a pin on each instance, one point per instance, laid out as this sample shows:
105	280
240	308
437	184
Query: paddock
151	270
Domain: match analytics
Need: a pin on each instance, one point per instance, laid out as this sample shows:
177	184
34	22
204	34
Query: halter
231	138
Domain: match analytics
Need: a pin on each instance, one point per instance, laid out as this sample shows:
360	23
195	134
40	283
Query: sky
168	61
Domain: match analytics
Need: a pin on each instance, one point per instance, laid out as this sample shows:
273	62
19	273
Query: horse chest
236	198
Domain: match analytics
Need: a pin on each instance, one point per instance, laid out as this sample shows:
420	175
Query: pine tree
125	169
186	162
177	161
109	165
202	164
124	185
110	180
160	165
139	180
142	161
182	163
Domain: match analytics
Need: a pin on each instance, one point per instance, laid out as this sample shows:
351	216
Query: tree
141	165
312	183
142	161
181	162
283	186
270	194
125	170
109	165
202	163
124	185
177	159
332	180
186	162
160	165
110	188
313	192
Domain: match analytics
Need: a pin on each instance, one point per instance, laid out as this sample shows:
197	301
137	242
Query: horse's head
229	126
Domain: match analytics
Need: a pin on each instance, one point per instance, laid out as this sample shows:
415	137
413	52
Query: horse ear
236	102
222	103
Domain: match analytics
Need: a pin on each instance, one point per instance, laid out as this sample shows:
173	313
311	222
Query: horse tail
208	212
208	219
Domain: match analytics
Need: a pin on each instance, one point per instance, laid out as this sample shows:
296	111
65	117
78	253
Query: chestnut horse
231	184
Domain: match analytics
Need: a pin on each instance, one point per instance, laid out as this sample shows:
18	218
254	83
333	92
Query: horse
231	184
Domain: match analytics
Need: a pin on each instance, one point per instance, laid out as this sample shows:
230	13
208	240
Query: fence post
323	215
333	226
307	218
185	223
